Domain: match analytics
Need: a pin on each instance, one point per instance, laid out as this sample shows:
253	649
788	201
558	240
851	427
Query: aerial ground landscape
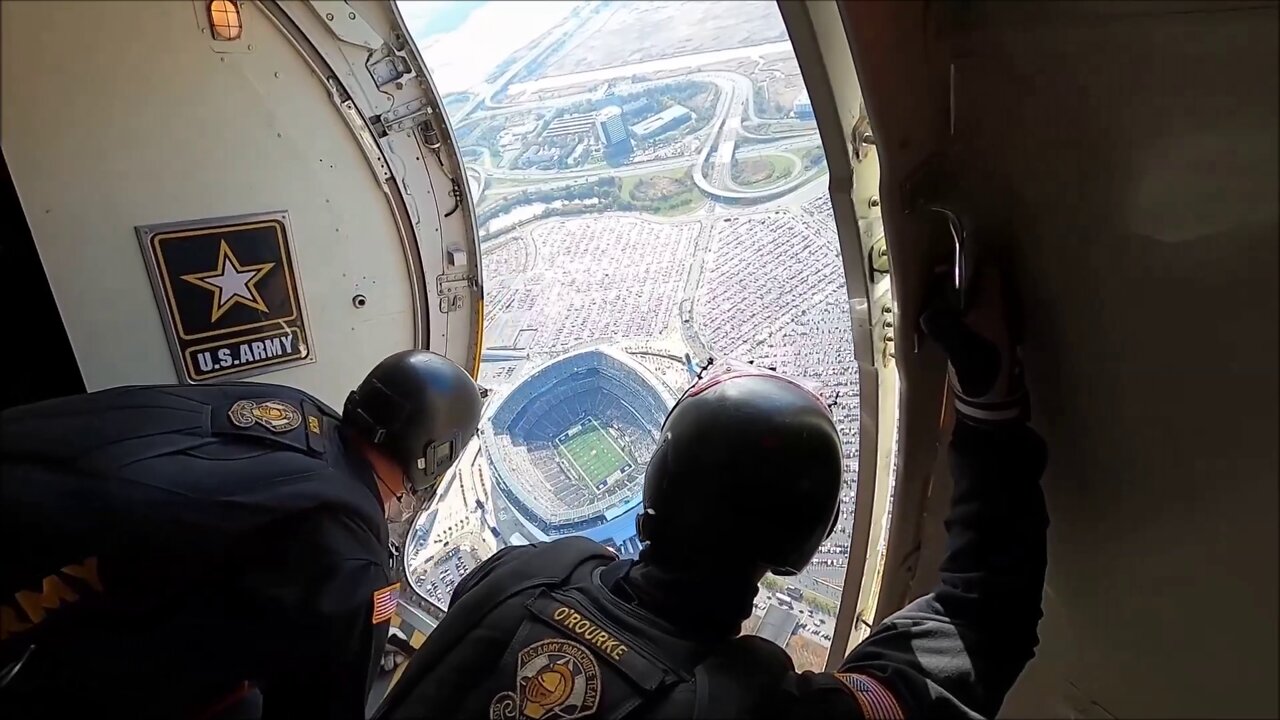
650	192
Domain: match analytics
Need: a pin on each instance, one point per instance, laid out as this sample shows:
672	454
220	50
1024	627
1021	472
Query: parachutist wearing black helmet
759	448
170	551
755	445
746	480
413	414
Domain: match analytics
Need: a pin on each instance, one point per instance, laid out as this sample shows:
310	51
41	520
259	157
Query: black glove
396	651
985	373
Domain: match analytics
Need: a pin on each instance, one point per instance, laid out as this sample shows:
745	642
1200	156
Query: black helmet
748	466
420	409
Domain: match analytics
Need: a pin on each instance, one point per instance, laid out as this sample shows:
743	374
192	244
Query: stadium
567	446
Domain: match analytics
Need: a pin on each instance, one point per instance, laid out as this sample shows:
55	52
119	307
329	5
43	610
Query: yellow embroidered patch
274	415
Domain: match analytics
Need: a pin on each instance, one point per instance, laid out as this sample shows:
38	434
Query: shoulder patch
555	679
315	426
275	415
384	602
876	701
572	619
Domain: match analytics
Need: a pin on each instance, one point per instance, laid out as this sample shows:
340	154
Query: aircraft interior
1121	157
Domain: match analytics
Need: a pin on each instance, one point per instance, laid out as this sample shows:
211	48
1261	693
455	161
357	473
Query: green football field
592	453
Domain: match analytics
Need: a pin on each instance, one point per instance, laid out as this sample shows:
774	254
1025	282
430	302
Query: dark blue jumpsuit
162	546
563	629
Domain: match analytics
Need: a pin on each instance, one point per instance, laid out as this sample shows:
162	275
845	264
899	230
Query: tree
758	97
822	604
813	158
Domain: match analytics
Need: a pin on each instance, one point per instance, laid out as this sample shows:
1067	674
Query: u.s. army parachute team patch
876	701
274	415
555	680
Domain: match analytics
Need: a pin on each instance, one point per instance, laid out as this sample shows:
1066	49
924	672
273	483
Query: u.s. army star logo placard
229	294
232	283
274	415
555	680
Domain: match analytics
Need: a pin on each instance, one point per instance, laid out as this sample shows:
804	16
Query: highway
567	179
727	127
736	99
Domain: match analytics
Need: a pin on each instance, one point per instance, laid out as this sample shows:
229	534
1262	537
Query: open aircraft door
221	190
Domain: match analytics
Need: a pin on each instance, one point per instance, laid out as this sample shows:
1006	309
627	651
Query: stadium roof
520	476
617	353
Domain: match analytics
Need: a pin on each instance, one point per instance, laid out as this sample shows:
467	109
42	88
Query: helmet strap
399	496
644	525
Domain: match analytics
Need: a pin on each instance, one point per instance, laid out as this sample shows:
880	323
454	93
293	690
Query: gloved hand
985	373
396	651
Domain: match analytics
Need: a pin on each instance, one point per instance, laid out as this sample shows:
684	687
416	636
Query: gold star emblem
232	283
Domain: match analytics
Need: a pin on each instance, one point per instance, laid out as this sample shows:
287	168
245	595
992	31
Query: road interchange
719	140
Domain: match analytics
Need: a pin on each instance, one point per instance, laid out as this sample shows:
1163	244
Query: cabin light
224	19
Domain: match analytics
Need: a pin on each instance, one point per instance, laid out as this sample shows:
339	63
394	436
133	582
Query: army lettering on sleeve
32	606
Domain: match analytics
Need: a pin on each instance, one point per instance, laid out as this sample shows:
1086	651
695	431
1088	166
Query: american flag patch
877	702
384	602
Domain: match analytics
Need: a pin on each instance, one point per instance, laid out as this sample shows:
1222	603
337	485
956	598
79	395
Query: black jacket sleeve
321	663
957	651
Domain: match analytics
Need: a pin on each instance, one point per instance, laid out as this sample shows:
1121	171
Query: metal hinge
453	289
405	115
388	69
